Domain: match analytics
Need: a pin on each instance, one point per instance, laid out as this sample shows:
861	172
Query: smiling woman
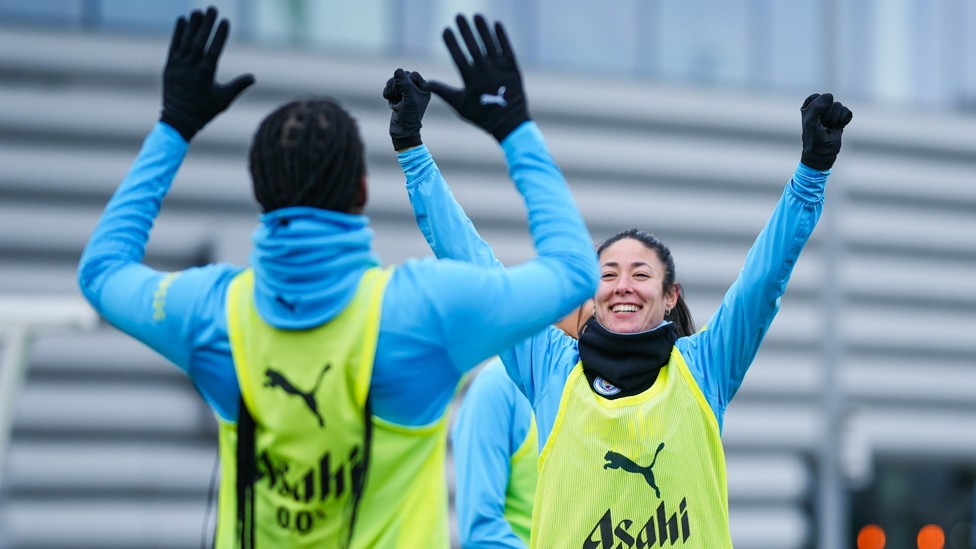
637	289
629	417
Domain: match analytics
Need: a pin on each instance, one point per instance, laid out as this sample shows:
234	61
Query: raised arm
492	99
112	277
723	351
453	236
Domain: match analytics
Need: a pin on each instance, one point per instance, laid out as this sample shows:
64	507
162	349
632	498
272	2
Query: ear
673	295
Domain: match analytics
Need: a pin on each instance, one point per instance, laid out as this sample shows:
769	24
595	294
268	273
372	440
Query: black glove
823	125
191	97
408	96
492	96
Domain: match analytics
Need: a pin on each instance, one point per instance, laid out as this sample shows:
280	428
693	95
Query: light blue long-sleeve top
718	355
491	425
439	318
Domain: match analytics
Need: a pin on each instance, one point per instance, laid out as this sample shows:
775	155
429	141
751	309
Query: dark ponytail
680	315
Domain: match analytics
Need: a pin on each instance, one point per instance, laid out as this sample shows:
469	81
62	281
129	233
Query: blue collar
307	264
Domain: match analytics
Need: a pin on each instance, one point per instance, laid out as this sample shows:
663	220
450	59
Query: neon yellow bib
522	479
307	391
405	503
641	471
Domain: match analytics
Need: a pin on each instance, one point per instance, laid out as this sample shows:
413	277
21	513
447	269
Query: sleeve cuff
169	134
527	131
809	183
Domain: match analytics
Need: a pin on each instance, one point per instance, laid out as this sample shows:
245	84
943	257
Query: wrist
406	142
822	163
182	124
508	125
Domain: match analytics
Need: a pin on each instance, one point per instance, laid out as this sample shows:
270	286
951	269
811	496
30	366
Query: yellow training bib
306	391
641	471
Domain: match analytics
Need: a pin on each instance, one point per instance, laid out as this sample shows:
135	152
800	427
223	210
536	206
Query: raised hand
492	96
823	126
191	96
408	97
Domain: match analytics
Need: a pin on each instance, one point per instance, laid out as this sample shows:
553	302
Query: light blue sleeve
178	314
440	217
720	354
534	364
451	234
490	427
539	366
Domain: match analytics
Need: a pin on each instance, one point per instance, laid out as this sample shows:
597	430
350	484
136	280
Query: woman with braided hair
329	376
628	418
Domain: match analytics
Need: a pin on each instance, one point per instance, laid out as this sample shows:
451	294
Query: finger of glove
474	48
192	27
174	44
845	118
403	83
402	79
199	43
390	91
808	100
229	92
504	46
449	94
460	61
837	117
491	47
830	116
217	44
408	86
418	81
819	105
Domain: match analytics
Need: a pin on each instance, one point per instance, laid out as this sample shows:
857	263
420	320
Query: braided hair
680	314
307	153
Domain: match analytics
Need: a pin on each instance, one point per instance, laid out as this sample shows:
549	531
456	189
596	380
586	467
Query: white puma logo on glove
497	99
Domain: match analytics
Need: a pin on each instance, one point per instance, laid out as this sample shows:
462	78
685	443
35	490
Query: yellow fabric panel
523	475
306	390
405	503
639	471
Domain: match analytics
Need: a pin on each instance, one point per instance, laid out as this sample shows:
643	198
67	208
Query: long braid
307	153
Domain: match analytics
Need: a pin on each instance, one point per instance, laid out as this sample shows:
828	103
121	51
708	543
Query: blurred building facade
675	116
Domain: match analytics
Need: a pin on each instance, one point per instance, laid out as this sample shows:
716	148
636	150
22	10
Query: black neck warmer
630	362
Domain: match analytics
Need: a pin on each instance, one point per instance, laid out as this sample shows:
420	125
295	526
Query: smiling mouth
624	308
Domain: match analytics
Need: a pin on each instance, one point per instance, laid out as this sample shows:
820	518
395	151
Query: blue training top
439	318
491	425
718	355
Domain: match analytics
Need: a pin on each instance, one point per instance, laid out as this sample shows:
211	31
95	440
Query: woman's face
630	297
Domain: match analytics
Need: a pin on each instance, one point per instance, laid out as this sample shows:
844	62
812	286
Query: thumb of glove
229	92
452	96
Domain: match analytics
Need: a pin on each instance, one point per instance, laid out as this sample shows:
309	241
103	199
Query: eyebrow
632	265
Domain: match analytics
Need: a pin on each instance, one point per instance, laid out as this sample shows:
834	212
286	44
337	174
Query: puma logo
497	99
277	379
620	461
